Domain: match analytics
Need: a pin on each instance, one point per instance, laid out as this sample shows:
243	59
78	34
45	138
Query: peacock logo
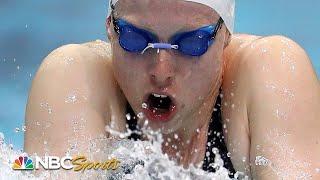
23	163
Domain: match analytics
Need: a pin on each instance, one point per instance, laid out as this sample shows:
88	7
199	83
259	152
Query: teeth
156	95
159	95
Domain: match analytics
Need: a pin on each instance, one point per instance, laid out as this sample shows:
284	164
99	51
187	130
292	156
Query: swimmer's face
190	81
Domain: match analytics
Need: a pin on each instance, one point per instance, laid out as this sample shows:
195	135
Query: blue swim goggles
193	43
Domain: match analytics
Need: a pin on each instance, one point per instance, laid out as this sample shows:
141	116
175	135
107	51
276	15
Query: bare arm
70	102
282	101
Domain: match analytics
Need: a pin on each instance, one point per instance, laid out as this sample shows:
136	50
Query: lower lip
162	117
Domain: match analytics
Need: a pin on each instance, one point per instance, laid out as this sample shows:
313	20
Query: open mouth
160	107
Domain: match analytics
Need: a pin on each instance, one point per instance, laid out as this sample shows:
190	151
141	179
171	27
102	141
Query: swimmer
178	64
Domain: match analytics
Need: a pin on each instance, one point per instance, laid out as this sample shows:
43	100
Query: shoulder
269	84
90	52
257	59
83	70
73	80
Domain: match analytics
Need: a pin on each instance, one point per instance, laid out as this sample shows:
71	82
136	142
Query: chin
169	127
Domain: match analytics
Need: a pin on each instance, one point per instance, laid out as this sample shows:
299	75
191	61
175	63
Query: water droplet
244	159
232	106
258	147
224	126
45	142
144	105
11	146
264	50
146	122
215	150
18	67
229	154
24	128
261	161
176	136
128	116
140	115
16	130
207	154
72	98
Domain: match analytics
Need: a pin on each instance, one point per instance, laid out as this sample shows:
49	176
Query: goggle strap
160	46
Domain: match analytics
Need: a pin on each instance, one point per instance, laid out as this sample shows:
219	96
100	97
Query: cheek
126	67
204	78
129	73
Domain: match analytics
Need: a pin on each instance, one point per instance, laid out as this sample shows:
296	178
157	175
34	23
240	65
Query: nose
162	72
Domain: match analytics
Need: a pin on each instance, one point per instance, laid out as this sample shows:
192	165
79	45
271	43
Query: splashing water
139	160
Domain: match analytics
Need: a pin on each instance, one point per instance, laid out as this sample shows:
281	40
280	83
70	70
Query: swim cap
225	8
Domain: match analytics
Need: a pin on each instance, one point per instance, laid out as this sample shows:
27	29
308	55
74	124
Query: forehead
175	15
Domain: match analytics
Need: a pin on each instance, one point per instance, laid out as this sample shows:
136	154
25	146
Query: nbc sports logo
78	163
23	163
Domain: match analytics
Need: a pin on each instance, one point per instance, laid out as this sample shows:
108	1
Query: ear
108	27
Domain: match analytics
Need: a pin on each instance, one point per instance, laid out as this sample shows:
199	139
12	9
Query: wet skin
271	95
